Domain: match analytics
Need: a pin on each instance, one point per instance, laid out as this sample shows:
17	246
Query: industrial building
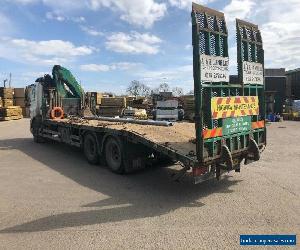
275	90
293	84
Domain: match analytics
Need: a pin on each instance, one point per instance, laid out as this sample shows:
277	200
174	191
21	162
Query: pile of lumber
188	103
113	102
19	100
10	113
112	106
7	109
7	95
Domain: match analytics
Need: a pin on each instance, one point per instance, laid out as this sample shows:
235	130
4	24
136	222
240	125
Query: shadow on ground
148	193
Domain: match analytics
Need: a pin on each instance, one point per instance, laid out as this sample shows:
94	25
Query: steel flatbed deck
176	142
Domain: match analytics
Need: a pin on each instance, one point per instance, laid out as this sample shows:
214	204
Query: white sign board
253	73
214	68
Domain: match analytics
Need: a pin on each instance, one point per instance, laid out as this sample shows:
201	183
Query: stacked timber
188	103
7	95
97	96
112	106
19	99
7	110
10	113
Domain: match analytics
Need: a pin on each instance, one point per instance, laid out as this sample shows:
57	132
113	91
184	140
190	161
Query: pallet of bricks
112	106
188	103
7	109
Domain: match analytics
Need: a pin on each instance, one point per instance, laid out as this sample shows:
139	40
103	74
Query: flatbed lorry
229	118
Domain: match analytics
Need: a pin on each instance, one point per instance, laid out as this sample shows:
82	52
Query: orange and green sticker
234	106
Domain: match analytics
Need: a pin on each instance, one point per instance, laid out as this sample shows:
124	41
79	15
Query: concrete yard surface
51	198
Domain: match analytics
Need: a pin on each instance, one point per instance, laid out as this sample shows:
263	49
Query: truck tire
114	155
90	148
35	126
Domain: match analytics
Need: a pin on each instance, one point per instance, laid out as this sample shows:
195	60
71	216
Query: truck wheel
90	149
113	155
35	126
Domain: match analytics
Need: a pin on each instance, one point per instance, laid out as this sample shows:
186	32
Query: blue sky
108	43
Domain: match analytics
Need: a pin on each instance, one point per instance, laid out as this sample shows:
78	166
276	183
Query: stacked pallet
7	95
188	102
19	99
112	106
11	113
8	111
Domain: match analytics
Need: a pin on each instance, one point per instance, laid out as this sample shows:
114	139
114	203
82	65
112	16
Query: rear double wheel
90	148
113	155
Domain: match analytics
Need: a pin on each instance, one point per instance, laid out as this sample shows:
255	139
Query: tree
191	92
177	91
137	88
164	87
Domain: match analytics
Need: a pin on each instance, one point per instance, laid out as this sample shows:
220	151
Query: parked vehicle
229	118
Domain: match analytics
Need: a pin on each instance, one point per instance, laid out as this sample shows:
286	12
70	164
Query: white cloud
62	17
141	13
42	52
187	4
188	47
110	67
91	31
279	25
24	1
64	6
6	25
95	67
133	43
181	76
79	19
238	9
137	12
55	16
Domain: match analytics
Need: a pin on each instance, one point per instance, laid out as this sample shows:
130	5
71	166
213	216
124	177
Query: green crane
64	83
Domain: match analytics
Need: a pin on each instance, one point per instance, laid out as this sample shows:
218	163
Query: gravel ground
52	199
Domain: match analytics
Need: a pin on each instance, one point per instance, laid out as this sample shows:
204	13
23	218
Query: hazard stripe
224	107
215	114
212	133
219	101
238	100
258	125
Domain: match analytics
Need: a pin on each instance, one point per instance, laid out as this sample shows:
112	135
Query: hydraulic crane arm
66	84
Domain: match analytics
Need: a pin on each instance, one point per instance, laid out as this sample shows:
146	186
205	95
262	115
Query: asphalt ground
51	198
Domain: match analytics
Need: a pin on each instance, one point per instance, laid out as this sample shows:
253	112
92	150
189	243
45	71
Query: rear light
200	171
